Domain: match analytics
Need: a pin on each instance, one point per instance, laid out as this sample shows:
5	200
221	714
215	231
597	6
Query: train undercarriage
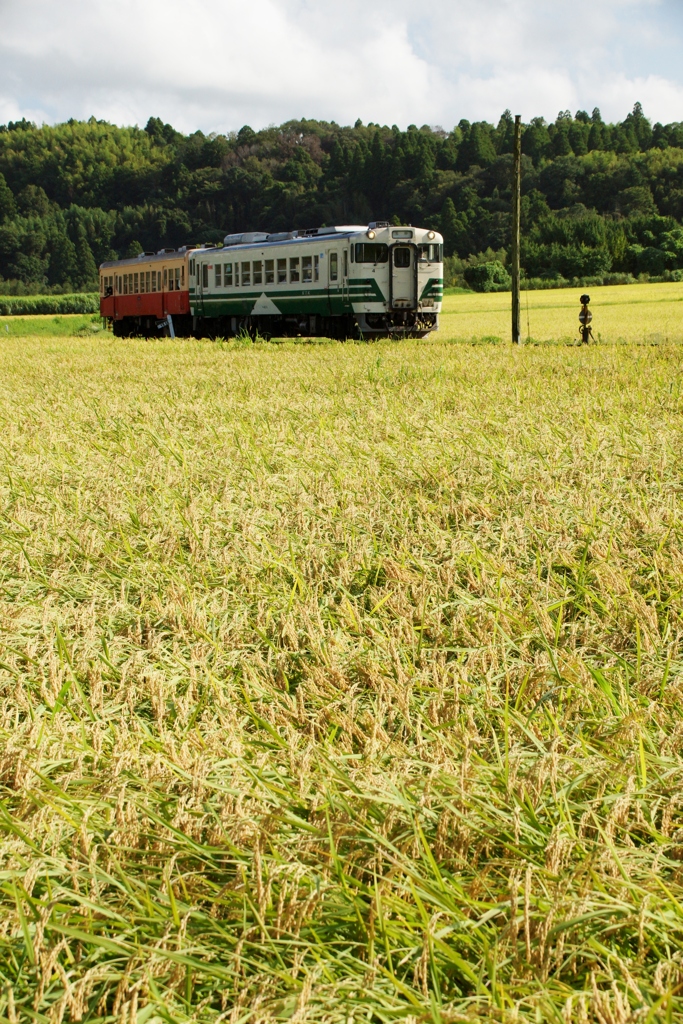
400	323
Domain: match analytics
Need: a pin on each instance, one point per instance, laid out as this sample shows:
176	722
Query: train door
334	285
345	277
403	283
201	285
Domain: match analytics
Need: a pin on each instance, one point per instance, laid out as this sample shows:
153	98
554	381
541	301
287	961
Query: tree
488	277
8	207
451	227
33	201
504	135
86	270
63	265
134	249
536	139
636	200
477	147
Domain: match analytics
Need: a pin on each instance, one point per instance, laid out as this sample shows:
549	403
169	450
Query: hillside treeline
598	199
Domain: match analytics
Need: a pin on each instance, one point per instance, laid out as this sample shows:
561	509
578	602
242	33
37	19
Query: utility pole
516	231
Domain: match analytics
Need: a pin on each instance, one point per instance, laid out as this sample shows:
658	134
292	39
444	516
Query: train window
219	273
125	284
270	271
177	279
147	280
307	268
237	275
227	277
182	276
192	262
154	280
293	269
402	256
316	268
430	253
369	252
282	271
136	285
346	262
165	278
258	272
246	274
334	262
205	275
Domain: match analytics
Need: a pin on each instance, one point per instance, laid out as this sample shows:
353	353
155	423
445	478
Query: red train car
147	295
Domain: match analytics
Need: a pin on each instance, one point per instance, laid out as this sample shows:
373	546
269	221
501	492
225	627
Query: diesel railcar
344	282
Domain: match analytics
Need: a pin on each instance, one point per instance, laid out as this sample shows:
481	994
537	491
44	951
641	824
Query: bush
34	305
488	277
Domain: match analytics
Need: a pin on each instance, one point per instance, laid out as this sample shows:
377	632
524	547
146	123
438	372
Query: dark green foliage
488	277
8	206
86	270
596	198
133	250
32	201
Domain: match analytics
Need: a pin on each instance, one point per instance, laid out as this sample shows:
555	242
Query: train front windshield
430	253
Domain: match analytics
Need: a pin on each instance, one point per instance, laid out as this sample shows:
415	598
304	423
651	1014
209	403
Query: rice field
341	683
639	313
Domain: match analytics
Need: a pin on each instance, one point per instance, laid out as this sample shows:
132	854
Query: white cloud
215	66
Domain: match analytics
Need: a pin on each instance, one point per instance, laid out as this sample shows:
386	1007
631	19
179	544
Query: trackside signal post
585	317
516	231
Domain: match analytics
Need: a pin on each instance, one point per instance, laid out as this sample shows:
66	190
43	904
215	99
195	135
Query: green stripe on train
360	289
433	289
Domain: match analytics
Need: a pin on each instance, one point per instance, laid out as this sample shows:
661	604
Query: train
348	281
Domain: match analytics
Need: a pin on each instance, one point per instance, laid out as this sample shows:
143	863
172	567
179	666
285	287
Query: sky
216	65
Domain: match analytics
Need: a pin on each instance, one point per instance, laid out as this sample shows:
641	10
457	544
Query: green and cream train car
342	282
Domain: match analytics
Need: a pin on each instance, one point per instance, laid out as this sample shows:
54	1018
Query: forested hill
597	198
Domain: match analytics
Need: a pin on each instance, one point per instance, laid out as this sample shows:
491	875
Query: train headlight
431	234
371	234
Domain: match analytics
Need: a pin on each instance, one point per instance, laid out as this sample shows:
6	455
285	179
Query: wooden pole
516	232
